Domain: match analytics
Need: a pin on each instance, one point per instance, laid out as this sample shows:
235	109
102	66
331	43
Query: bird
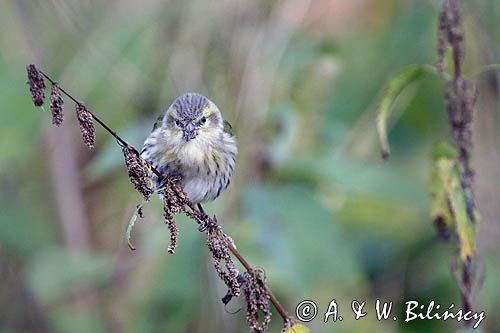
192	140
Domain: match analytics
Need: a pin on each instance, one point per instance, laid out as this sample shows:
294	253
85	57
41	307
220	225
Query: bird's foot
174	177
205	220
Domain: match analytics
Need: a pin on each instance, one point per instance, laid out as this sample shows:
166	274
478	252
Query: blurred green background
311	202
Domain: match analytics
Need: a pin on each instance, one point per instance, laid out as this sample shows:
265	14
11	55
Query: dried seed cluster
460	96
450	33
217	242
172	227
460	99
257	300
37	85
86	121
174	202
56	105
174	198
138	171
229	295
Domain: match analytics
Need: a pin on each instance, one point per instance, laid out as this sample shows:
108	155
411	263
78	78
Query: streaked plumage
191	139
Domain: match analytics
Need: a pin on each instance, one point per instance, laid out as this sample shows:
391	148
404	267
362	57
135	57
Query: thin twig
102	123
281	310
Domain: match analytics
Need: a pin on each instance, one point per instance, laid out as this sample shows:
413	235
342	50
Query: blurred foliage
395	87
311	202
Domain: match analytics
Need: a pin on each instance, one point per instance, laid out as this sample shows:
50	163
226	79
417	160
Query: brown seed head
442	36
460	100
257	300
37	85
450	34
138	172
229	295
56	105
217	242
172	227
174	198
174	202
86	121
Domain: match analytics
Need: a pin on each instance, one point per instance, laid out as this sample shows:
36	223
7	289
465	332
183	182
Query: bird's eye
178	122
203	120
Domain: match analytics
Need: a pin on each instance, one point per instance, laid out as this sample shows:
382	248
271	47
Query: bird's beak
189	131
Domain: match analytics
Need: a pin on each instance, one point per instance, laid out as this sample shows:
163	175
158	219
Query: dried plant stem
460	98
100	122
196	211
281	310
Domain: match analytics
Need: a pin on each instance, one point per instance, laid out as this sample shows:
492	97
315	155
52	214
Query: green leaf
440	203
444	150
393	89
131	224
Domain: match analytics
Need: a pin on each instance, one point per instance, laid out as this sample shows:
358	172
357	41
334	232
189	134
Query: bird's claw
206	222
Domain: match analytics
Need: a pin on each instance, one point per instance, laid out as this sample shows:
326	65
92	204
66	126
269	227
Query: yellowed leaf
465	229
440	208
298	328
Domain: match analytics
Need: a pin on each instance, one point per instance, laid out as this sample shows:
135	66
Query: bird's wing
228	128
156	125
158	122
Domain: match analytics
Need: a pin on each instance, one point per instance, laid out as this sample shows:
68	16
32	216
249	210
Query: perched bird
193	141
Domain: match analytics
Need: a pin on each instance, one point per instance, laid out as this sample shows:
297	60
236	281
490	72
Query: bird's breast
193	154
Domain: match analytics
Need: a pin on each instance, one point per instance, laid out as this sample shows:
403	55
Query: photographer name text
412	310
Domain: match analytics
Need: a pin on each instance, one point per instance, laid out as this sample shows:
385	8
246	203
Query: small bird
193	141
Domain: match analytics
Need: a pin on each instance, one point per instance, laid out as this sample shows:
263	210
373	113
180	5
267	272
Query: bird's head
191	115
